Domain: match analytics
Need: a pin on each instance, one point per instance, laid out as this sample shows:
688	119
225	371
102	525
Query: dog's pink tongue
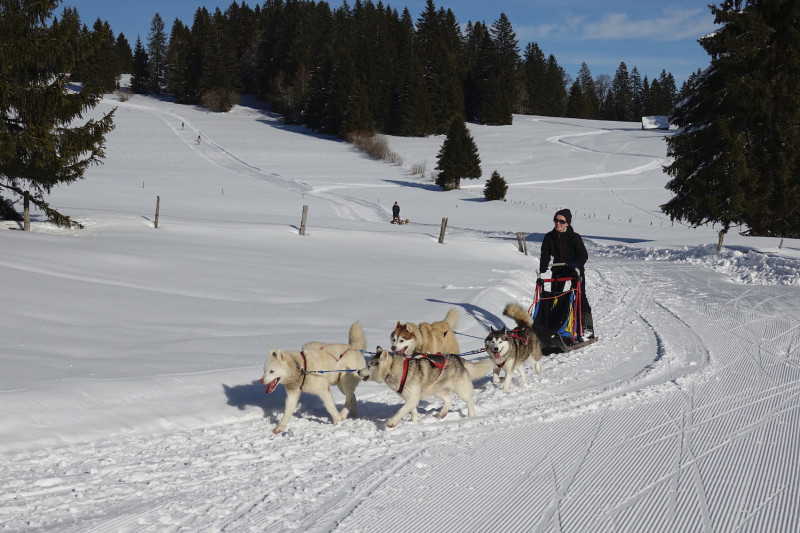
271	385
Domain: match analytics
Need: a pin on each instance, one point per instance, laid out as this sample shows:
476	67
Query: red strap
405	374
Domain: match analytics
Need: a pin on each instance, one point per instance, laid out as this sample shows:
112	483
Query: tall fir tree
124	54
140	77
736	159
101	67
458	157
503	74
636	93
554	89
157	54
591	102
533	69
623	95
178	51
44	142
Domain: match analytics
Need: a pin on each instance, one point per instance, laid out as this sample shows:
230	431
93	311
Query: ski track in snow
664	345
235	474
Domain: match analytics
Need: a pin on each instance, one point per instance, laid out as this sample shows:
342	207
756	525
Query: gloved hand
539	281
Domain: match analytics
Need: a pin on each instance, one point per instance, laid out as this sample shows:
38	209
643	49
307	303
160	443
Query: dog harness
303	371
515	333
425	356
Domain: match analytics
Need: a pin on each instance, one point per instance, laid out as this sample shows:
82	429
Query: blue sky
647	34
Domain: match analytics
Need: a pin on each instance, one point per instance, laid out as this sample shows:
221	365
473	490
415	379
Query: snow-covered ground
131	355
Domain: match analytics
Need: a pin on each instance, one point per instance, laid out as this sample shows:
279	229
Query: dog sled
400	221
556	312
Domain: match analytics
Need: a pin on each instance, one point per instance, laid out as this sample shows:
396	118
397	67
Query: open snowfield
130	355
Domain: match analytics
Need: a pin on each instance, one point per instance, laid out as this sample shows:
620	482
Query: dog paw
278	430
391	423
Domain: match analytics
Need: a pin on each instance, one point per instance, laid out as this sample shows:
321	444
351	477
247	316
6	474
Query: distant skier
198	139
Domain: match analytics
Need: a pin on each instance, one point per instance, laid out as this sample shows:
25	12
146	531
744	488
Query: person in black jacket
564	245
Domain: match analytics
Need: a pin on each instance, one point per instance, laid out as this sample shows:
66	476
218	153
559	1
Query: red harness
405	368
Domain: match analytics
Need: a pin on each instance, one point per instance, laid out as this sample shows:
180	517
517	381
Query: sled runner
557	314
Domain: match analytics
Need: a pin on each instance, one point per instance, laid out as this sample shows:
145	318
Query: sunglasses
559	221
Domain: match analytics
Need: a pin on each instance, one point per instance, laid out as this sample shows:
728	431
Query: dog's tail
452	318
518	314
478	369
356	338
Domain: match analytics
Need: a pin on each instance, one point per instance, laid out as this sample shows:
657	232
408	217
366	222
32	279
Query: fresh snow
131	355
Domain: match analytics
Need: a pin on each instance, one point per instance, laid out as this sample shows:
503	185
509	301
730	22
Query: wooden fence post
303	220
158	208
26	210
441	232
523	245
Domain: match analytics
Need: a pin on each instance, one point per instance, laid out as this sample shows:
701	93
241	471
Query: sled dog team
423	362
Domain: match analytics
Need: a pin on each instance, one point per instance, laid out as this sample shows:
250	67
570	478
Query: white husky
314	369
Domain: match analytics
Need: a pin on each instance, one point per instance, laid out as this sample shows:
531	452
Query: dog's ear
280	355
399	325
504	330
409	327
492	330
272	352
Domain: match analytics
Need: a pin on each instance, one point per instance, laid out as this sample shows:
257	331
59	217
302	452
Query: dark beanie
566	214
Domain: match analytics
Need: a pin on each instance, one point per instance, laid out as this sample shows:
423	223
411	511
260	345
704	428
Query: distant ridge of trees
367	67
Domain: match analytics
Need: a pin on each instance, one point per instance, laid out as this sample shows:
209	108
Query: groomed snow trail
674	389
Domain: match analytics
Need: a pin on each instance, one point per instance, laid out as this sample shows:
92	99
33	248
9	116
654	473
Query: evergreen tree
623	96
575	101
503	74
590	103
219	83
177	66
496	187
124	54
140	77
533	69
636	91
42	140
437	43
458	157
554	89
736	159
157	54
101	67
479	56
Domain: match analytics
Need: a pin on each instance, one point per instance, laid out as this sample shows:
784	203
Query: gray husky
509	350
421	376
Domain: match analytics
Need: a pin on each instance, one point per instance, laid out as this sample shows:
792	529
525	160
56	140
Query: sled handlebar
577	271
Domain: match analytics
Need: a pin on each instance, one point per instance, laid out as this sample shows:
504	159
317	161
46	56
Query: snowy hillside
130	355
